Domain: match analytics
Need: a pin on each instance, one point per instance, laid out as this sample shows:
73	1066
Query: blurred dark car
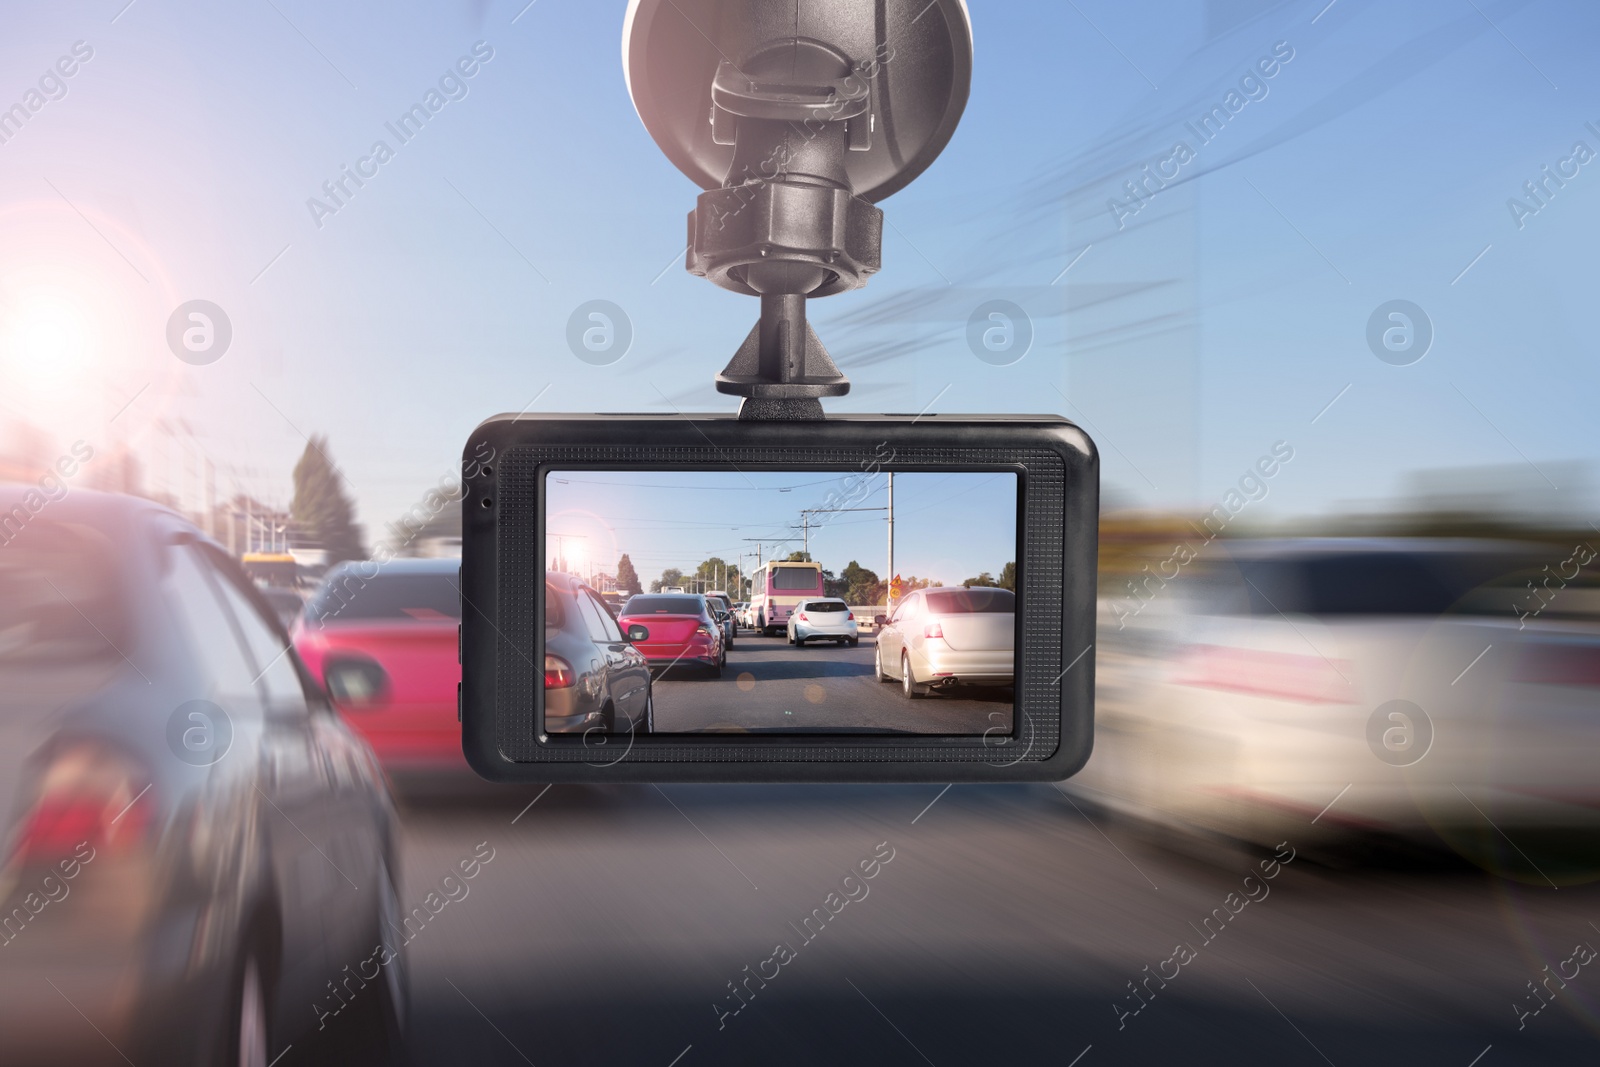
382	638
593	676
681	628
196	846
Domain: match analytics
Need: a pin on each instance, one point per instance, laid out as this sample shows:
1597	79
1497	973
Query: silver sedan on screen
939	637
823	620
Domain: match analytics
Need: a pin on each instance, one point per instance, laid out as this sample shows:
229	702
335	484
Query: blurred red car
683	631
382	640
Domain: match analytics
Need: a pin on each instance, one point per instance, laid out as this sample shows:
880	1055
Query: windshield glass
662	605
60	600
349	597
971	601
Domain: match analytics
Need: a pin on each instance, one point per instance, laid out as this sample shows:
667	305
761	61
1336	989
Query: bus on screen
778	588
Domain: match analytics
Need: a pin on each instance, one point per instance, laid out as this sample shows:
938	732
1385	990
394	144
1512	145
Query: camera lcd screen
749	601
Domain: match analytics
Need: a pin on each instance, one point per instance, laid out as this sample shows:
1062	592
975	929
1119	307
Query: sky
948	526
1229	313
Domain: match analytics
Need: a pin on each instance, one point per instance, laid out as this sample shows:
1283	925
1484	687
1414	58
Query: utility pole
888	579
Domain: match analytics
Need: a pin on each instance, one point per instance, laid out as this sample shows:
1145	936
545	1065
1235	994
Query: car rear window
827	606
60	597
795	578
662	605
349	597
1363	583
971	601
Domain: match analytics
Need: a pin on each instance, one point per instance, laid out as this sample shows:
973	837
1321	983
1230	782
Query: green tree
799	557
985	579
321	506
627	577
1008	576
861	586
670	577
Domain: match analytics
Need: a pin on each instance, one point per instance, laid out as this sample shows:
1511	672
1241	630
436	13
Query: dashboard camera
913	596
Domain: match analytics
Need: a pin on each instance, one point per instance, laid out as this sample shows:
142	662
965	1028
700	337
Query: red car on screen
683	631
382	640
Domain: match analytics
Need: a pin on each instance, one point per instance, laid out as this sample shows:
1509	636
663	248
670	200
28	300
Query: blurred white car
942	637
823	620
1317	686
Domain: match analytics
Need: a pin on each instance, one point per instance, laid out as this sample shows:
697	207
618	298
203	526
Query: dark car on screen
382	637
682	631
594	677
195	845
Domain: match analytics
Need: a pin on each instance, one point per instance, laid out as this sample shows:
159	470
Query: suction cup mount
794	116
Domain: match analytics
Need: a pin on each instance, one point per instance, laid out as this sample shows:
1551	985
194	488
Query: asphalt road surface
1006	928
770	684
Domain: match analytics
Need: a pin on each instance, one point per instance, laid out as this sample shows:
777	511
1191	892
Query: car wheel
650	710
608	718
877	665
799	642
910	688
854	641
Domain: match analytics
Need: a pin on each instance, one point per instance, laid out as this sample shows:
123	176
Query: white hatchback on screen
823	620
942	637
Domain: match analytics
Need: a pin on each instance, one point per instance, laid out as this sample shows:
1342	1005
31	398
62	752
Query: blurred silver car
943	637
1350	685
198	849
593	676
823	620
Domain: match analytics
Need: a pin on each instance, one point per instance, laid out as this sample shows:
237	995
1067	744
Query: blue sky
1222	318
948	527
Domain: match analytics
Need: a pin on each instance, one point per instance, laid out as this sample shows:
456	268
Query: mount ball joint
794	118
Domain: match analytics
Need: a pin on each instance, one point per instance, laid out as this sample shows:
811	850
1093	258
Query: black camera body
1036	728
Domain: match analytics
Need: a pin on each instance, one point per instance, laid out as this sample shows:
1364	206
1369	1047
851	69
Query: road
1005	928
770	684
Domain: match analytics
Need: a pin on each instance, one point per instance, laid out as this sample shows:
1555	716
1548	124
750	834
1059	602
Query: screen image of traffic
780	602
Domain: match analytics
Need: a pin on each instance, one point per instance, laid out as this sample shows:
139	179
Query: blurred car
594	677
681	630
383	639
724	616
823	620
286	604
1366	686
940	637
741	614
196	845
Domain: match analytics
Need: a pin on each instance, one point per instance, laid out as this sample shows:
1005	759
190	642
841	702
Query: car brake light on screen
933	629
702	630
558	672
801	617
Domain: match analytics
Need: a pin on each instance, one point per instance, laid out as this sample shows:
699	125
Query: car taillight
86	796
801	617
702	630
933	629
849	615
558	673
1287	675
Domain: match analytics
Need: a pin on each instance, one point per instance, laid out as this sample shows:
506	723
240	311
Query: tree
670	578
1008	576
861	586
799	557
322	507
627	577
985	580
